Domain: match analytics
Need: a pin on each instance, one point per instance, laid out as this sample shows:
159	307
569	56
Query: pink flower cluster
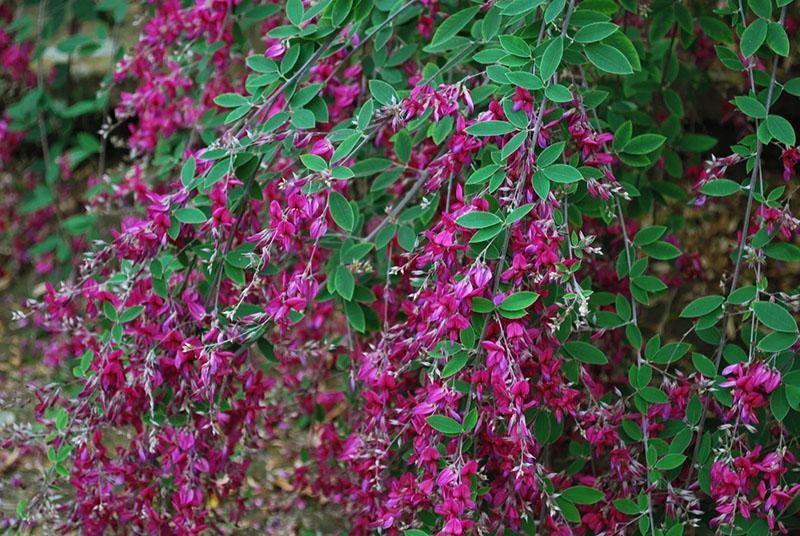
750	484
213	327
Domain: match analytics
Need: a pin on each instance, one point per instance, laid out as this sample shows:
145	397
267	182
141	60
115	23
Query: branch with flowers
403	266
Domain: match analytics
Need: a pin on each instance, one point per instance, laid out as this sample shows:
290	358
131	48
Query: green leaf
777	40
190	215
778	403
627	507
364	115
444	424
370	166
61	419
86	361
782	251
582	495
518	213
131	313
634	335
415	532
585	352
313	162
645	144
660	250
491	23
294	11
513	144
109	311
22	506
524	79
753	37
482	175
781	129
777	341
608	59
482	305
742	295
793	396
520	7
554	8
649	283
519	301
550	154
625	46
762	8
490	128
542	427
340	10
670	461
702	306
670	353
345	282
303	119
716	29
515	45
750	107
696	143
704	365
406	237
541	185
623	307
654	395
720	187
774	316
632	430
341	211
237	113
562	173
470	420
478	220
568	510
551	58
453	24
355	316
402	146
458	362
74	43
793	87
648	235
383	92
622	136
558	93
596	31
230	100
694	410
187	171
261	64
728	58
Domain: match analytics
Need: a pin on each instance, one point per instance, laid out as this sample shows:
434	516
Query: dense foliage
404	266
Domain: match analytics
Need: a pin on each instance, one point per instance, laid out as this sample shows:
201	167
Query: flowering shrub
431	267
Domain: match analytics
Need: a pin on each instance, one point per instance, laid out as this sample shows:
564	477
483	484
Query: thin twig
639	362
628	245
745	228
368	38
536	129
242	209
40	86
398	207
